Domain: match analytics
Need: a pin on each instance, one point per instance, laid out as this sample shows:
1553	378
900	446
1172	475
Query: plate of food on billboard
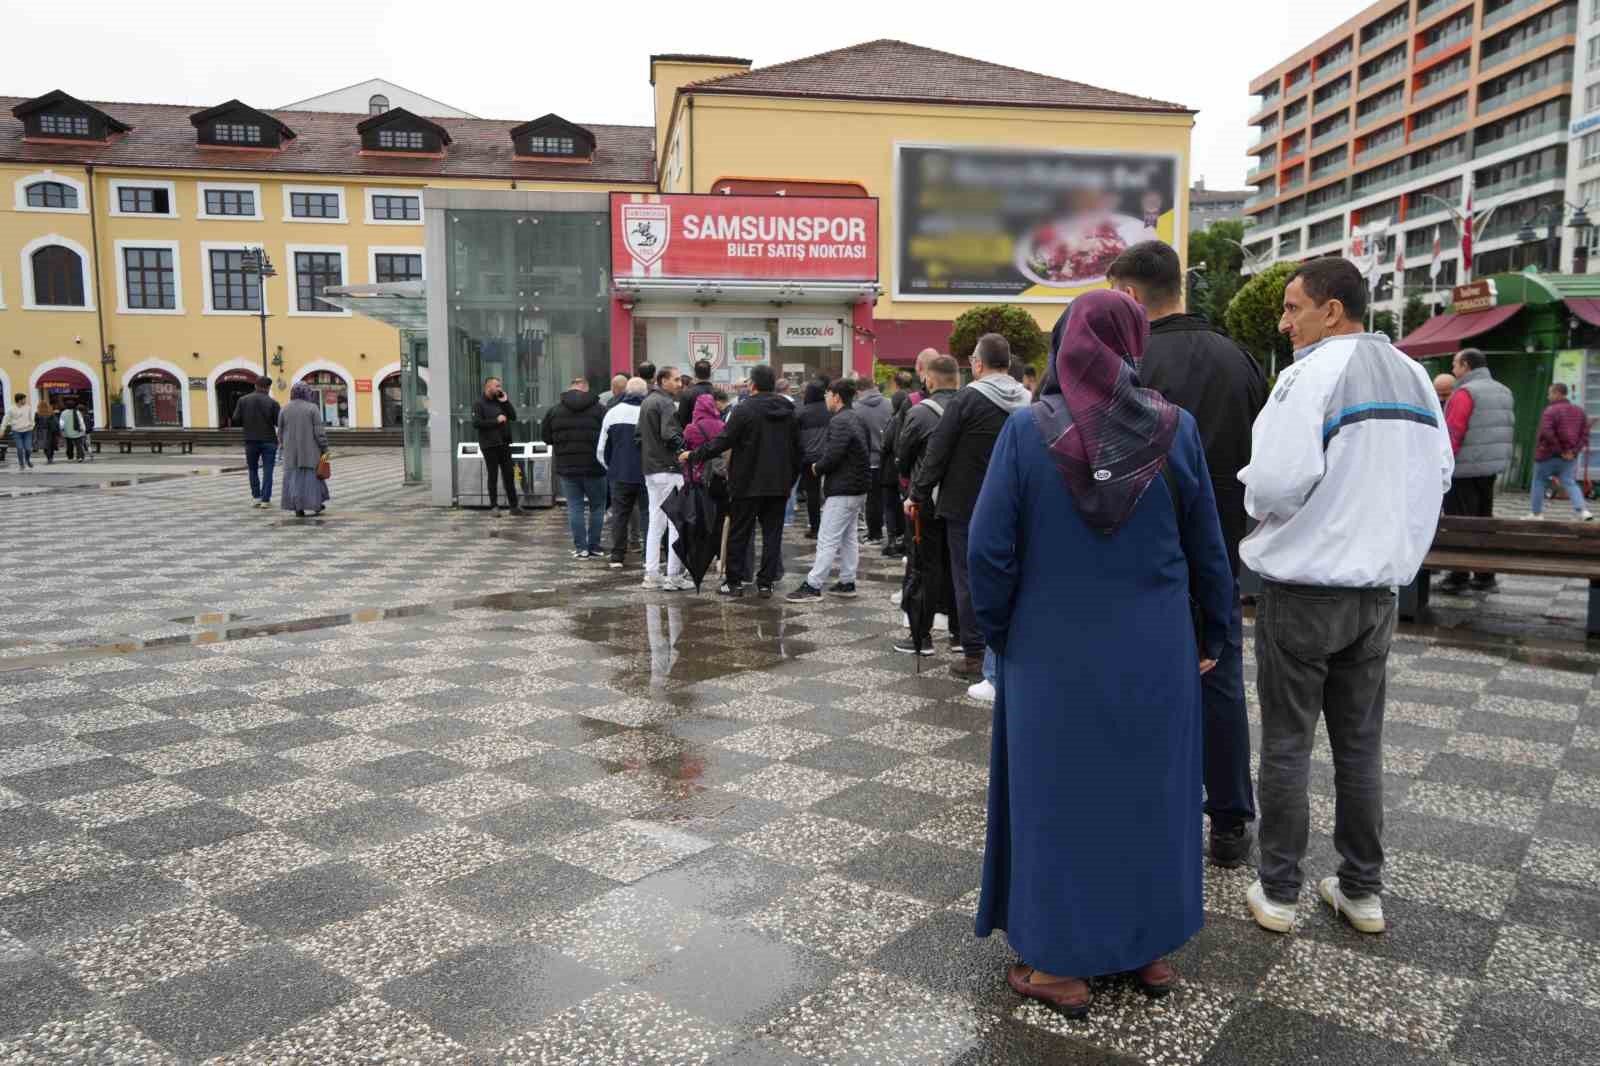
1026	225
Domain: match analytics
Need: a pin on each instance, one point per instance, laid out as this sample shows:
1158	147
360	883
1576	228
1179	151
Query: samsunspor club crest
646	229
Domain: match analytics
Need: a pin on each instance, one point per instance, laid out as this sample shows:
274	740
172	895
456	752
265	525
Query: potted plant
119	412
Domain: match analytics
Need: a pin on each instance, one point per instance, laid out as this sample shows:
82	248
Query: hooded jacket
660	436
874	411
763	434
690	395
845	463
572	429
1204	372
814	416
618	450
705	426
957	454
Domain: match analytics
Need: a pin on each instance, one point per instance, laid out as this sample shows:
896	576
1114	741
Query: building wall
853	141
1583	147
194	341
353	100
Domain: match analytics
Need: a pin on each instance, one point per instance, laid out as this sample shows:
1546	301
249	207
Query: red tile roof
327	143
895	70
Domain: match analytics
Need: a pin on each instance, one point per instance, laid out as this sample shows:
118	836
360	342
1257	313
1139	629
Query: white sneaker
894	600
677	584
1366	915
651	581
1587	516
1275	917
1531	517
983	690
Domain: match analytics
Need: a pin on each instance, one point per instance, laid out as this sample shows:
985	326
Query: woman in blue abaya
1083	567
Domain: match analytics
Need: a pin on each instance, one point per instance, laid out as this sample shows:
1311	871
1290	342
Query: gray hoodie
875	411
1004	391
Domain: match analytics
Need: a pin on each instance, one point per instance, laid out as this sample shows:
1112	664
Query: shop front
155	399
233	386
61	383
741	281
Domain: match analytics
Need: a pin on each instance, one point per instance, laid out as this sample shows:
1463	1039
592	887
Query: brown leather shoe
1069	995
970	668
1157	979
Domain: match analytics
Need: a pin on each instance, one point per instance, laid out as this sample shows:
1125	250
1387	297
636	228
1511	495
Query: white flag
1433	268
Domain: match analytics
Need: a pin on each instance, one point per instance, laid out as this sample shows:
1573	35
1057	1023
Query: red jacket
1562	429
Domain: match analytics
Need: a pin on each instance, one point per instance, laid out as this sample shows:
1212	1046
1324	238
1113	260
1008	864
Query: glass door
414	404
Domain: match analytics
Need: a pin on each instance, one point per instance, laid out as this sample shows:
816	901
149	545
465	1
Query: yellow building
123	228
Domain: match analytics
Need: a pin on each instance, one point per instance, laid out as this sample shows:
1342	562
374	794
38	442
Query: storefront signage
1584	125
1028	225
707	346
745	237
197	384
1473	296
363	384
809	333
749	349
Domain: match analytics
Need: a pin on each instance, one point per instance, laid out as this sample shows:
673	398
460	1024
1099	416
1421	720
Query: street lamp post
258	265
1551	214
1252	260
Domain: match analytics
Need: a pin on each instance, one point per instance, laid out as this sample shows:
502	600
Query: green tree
1218	263
1415	314
1253	313
1383	322
1028	341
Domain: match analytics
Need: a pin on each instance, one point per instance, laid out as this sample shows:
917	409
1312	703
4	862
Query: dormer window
238	125
55	116
398	130
64	125
552	137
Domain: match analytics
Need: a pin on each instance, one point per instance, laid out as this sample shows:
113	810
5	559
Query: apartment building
1583	163
1388	124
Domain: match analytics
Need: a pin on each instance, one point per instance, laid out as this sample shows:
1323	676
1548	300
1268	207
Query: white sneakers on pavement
680	583
1274	917
983	690
1366	914
652	582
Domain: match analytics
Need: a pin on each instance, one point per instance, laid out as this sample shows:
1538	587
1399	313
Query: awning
402	304
1444	333
64	378
900	339
1586	308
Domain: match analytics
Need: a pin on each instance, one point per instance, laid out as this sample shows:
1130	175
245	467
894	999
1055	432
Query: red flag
1466	242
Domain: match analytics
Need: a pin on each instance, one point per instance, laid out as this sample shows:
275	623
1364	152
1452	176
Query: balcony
1289	243
1263	169
1521	181
1383	73
1338	133
1427	9
1434	88
1384	36
1290	87
1522	90
1522	136
1265	196
1330	102
1391	108
1517	49
1297	119
1380	185
1373	151
1500	14
1333	67
1448	239
1443	42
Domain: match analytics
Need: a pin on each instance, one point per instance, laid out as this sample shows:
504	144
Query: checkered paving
579	823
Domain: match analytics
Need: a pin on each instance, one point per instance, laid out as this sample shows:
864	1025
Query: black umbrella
921	595
697	517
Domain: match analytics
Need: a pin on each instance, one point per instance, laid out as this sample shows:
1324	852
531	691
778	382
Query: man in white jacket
1350	461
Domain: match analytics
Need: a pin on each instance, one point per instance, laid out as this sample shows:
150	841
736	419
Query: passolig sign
764	238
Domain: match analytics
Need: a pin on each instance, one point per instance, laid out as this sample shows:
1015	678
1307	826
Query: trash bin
535	466
472	482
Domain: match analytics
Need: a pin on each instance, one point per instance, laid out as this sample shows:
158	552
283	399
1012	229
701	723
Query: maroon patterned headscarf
1107	435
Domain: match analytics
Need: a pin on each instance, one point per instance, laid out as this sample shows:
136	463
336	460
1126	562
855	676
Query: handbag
1196	617
324	468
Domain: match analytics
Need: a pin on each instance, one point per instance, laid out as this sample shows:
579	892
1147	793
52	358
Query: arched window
57	277
157	399
378	104
53	194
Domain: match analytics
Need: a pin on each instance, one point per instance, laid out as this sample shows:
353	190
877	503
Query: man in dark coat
813	422
257	415
493	416
618	452
763	433
846	471
572	429
941	378
1190	363
691	392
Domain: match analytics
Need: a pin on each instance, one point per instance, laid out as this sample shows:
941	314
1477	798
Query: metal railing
1521	181
1291	212
1443	41
1264	167
1446	122
1395	29
1262	197
1288	243
1372	151
1390	108
1388	70
1338	132
1515	48
1327	103
1500	14
1336	165
1333	67
1429	8
1521	136
1516	92
1434	88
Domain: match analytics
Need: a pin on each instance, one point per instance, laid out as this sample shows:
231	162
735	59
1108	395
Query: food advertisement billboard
1023	225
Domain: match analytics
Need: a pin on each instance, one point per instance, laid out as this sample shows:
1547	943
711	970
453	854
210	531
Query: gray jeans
1322	652
838	537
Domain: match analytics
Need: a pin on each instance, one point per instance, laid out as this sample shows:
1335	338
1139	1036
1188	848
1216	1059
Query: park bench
1551	548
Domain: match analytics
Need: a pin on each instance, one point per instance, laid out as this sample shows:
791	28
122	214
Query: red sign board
363	384
758	238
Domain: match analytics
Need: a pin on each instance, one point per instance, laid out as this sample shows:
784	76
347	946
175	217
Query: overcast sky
589	61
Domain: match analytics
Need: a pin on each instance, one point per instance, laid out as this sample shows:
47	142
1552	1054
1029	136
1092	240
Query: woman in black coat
813	418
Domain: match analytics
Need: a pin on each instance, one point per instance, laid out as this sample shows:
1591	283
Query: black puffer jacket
888	474
765	441
845	462
572	429
814	416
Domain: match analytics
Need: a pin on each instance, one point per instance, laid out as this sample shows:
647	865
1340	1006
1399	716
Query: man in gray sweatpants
1349	463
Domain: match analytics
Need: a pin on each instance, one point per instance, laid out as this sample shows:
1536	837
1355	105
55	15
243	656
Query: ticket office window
743	341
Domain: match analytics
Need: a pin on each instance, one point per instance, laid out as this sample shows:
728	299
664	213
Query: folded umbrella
920	596
697	517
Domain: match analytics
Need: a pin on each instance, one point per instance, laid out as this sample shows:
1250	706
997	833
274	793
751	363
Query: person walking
303	443
692	392
1482	424
1094	529
941	377
875	411
1349	464
954	463
256	414
618	452
763	436
813	426
1204	372
18	422
572	428
46	429
493	416
660	439
72	429
1562	431
845	470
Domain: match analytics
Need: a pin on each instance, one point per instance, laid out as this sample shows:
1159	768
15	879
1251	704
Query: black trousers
768	511
956	535
497	462
894	516
874	505
811	485
626	500
1471	497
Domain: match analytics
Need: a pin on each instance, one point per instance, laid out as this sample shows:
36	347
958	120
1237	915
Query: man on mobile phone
493	415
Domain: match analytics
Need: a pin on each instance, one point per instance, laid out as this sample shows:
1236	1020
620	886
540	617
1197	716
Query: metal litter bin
535	466
472	482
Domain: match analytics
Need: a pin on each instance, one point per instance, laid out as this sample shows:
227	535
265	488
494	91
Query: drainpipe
688	116
99	303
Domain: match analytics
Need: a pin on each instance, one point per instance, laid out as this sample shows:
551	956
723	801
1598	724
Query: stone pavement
385	788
